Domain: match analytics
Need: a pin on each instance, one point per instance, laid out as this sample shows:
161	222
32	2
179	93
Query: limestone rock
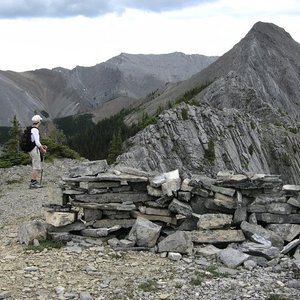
179	241
144	233
31	230
58	219
213	221
232	258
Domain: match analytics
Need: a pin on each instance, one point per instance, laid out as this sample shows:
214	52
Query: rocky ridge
245	105
96	271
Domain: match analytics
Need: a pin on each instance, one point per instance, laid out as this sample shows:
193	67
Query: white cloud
211	28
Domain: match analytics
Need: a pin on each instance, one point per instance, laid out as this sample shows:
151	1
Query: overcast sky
51	33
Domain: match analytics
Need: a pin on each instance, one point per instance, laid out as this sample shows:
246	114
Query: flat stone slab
106	177
218	236
213	221
105	206
168	220
291	188
106	223
279	219
114	197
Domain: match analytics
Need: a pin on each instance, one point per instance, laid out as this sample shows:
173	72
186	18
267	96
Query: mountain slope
246	119
260	74
61	92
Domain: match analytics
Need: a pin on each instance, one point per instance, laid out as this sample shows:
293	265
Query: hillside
246	119
62	92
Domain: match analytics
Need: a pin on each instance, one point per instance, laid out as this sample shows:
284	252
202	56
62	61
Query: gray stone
294	284
185	185
287	248
252	219
105	206
250	264
180	207
99	232
31	230
165	219
198	205
60	236
154	211
58	219
76	226
240	215
279	219
251	229
92	214
232	258
297	255
171	186
157	181
221	200
260	250
114	197
179	241
221	190
90	168
144	232
288	232
279	208
209	250
200	192
5	294
152	191
184	196
291	188
85	296
114	242
126	223
213	221
126	243
174	256
294	201
103	185
217	236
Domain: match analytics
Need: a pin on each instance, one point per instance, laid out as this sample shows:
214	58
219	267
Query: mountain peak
266	30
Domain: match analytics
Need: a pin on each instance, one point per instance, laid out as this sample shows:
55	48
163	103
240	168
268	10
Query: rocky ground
96	271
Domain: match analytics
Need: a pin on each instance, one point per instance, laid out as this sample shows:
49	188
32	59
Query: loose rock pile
245	218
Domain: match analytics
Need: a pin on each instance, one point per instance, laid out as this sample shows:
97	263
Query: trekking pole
42	170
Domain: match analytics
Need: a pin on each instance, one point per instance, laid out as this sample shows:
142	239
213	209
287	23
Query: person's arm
36	139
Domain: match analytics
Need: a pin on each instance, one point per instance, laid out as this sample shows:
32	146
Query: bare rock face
209	140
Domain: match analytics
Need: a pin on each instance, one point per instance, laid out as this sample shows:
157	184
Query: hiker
36	152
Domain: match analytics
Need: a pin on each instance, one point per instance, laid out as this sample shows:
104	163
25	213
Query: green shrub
210	154
47	244
148	286
251	149
184	113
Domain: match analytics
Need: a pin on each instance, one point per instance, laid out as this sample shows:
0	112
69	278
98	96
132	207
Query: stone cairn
236	216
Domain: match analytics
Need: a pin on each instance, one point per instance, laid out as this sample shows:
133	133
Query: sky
38	34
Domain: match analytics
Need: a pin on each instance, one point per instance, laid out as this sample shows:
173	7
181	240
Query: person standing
36	152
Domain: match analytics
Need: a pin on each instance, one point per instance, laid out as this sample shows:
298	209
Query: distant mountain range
103	89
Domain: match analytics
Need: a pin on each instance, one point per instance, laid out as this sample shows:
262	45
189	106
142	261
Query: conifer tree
115	147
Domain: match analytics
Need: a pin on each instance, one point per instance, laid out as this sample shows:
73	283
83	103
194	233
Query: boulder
180	241
144	232
32	230
232	258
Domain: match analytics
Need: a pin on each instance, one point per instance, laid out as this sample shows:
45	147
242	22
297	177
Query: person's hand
43	149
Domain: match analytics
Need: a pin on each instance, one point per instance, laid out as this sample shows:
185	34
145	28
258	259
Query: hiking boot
34	185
